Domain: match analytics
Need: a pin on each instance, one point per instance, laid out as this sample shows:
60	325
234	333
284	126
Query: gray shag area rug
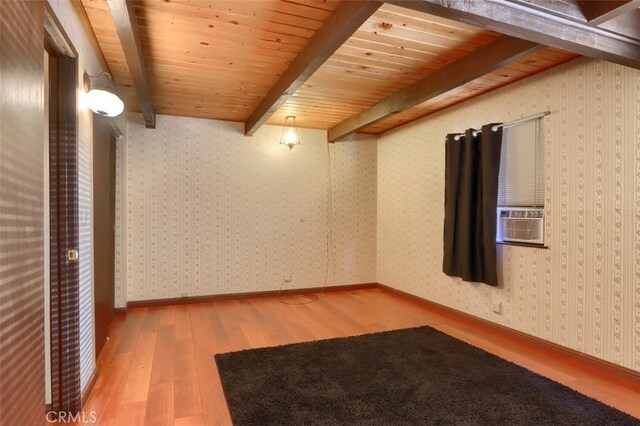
416	376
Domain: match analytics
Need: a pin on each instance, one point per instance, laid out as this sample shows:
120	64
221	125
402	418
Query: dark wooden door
104	221
64	219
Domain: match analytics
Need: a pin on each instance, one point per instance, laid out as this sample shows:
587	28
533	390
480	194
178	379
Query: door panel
104	196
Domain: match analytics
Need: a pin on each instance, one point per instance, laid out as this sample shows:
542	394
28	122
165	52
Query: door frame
64	217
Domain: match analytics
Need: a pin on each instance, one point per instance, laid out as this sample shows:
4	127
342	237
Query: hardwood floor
158	367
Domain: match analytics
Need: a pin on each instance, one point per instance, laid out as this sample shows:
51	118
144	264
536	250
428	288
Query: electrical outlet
288	278
497	307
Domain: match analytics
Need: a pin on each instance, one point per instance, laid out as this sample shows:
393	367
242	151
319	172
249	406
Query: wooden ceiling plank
393	51
220	73
301	100
385	50
377	26
180	100
527	22
338	27
431	19
333	104
125	22
366	89
190	42
382	54
415	45
203	95
425	23
343	112
260	10
194	113
600	11
343	97
244	87
483	61
206	95
196	32
260	65
211	28
368	70
353	54
375	80
361	62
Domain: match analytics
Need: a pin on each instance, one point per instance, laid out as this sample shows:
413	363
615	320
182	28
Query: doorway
104	222
63	316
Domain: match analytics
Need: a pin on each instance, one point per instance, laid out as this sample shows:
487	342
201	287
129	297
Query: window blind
521	180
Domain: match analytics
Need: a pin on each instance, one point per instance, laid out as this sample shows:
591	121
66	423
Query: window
521	185
521	180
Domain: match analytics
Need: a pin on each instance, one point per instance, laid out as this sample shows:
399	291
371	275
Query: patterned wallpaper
204	210
584	291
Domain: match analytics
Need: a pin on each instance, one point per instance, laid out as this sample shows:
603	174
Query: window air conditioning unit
520	225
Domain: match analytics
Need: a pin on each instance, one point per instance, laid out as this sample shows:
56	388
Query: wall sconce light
290	132
102	96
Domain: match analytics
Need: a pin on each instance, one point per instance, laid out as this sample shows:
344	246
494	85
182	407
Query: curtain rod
522	120
513	123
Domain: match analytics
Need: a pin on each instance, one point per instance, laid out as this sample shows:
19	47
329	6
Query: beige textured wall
204	210
584	291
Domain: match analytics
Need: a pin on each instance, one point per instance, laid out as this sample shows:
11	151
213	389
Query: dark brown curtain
470	201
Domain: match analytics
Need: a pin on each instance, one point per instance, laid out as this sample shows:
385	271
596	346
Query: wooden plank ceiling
219	59
213	59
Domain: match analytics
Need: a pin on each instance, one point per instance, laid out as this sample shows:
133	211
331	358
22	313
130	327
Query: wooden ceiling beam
482	61
517	19
336	29
627	24
124	18
597	12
